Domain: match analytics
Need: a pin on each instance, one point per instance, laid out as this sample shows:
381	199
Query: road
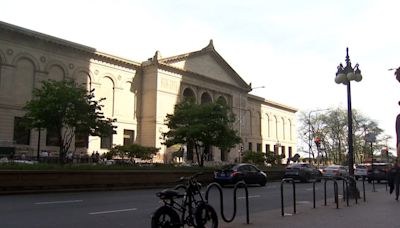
134	208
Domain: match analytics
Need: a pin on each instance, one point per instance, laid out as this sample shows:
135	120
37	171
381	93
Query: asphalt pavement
379	210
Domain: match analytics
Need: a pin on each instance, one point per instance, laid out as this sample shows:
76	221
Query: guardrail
286	180
221	200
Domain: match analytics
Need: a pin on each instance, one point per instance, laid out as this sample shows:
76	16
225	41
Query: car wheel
263	183
356	178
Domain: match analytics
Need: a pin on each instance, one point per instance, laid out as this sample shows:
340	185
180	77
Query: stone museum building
138	94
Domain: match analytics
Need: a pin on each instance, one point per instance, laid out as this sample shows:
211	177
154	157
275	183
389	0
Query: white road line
114	211
310	189
56	202
255	196
303	202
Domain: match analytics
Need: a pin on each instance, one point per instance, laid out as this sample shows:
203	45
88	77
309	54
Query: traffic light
317	141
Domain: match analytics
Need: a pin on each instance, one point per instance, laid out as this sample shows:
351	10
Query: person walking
394	179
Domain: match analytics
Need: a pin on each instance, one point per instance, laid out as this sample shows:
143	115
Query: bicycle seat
169	194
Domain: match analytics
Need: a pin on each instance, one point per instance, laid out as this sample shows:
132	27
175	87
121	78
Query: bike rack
285	180
363	181
335	189
314	182
345	189
237	185
355	182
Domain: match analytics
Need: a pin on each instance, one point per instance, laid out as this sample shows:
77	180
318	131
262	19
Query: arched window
107	91
222	100
205	98
56	73
188	93
24	80
283	128
268	126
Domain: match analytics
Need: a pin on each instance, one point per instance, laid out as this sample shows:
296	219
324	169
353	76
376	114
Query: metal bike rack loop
335	189
345	189
221	199
363	181
350	178
285	180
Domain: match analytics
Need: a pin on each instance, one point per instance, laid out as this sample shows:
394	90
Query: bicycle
193	210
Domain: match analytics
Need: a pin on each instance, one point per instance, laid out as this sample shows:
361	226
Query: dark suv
303	172
378	172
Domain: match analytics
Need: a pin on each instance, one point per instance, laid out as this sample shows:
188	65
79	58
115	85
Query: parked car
378	172
335	171
361	171
303	172
231	174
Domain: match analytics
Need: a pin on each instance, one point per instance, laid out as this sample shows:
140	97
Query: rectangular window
129	137
22	134
106	142
267	148
82	140
259	147
283	152
250	146
276	150
290	151
52	137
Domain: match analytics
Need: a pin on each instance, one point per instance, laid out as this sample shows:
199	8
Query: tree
331	129
257	158
201	126
134	151
67	109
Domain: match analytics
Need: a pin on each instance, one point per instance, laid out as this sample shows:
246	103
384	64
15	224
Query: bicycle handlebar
190	178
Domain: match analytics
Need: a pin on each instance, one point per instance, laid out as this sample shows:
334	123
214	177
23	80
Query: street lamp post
345	75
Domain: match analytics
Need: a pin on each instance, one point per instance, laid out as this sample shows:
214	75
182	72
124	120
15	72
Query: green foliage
254	157
331	127
201	126
272	158
133	151
68	109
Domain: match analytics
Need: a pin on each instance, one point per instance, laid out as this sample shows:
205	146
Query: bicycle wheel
165	217
205	216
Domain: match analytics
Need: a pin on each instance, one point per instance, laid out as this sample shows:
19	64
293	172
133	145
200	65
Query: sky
290	47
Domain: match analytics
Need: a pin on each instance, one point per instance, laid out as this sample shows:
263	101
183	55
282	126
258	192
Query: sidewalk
380	210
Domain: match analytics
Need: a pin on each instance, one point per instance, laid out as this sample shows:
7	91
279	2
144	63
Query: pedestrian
394	179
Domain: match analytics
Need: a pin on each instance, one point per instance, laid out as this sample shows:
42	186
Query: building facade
138	94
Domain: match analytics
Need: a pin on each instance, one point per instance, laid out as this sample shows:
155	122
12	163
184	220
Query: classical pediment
207	63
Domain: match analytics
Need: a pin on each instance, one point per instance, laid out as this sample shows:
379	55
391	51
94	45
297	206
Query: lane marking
113	211
243	197
310	189
303	202
59	202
